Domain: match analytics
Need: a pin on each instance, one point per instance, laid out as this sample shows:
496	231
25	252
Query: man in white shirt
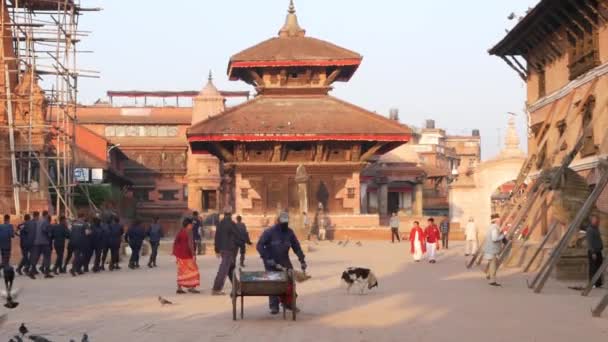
494	238
470	235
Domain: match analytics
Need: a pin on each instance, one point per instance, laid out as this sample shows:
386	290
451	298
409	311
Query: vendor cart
262	284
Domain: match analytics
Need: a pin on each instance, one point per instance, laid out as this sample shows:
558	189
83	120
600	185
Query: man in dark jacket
78	237
116	232
197	226
6	237
595	247
98	244
155	233
41	246
24	236
105	237
227	240
135	238
59	233
245	239
274	246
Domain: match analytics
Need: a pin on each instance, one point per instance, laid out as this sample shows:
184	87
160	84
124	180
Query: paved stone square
415	302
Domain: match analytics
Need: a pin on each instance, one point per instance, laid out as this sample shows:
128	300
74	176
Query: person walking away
87	247
323	226
25	237
307	226
7	233
188	275
394	223
431	232
417	242
78	241
595	248
470	236
273	247
116	233
494	239
444	227
154	235
227	240
106	222
197	226
135	238
41	246
59	233
245	239
98	244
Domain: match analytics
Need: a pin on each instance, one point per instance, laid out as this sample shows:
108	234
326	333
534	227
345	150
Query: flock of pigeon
23	331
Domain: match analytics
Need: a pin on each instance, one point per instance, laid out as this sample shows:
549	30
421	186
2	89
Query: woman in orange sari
187	270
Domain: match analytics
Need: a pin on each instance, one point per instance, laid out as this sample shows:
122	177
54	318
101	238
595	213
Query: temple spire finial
210	78
291	27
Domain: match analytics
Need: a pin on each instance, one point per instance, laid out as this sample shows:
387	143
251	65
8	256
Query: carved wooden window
142	195
542	83
209	200
168	195
351	192
584	49
589	147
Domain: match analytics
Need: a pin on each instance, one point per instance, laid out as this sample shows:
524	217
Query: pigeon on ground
16	339
85	338
163	301
359	243
345	243
37	338
23	330
339	243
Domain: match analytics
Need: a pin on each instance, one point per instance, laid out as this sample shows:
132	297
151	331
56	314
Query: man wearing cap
493	245
274	246
227	240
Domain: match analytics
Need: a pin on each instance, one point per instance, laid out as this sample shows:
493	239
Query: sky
427	58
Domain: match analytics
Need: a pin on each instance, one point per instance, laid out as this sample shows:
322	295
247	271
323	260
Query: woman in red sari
187	270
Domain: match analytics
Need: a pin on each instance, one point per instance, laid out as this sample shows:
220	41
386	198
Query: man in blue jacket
59	233
78	236
6	236
154	235
135	238
274	246
116	232
24	236
41	245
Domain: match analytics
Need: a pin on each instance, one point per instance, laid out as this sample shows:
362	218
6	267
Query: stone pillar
383	198
195	198
418	201
302	181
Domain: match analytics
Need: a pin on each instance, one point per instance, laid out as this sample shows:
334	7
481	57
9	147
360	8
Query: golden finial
292	7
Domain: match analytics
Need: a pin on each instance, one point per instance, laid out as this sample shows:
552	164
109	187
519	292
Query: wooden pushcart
262	284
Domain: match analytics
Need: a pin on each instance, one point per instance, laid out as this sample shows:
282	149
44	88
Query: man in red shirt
432	239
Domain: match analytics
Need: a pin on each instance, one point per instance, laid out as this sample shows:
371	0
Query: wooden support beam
259	81
224	152
525	69
552	230
584	14
519	72
564	24
596	12
332	77
545	272
572	20
595	278
601	306
369	153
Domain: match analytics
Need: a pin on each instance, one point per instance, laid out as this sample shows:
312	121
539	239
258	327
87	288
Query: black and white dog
363	277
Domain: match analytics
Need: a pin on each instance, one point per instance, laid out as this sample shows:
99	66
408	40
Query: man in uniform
41	246
154	235
245	239
116	232
78	241
595	247
227	240
59	233
135	238
25	234
274	246
196	232
6	237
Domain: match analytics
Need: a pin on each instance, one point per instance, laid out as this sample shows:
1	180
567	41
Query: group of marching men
87	240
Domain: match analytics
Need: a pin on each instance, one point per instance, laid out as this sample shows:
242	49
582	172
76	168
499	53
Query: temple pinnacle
292	7
210	78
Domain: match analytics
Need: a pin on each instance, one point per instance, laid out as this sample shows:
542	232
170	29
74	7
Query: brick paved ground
415	302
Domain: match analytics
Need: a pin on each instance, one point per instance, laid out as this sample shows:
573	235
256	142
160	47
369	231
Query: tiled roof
134	115
277	117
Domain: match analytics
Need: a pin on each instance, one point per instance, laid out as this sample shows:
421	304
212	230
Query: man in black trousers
6	237
105	228
59	233
98	244
116	232
135	238
41	246
25	235
77	241
155	233
595	248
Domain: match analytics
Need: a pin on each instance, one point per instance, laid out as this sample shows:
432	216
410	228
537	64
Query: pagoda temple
294	146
